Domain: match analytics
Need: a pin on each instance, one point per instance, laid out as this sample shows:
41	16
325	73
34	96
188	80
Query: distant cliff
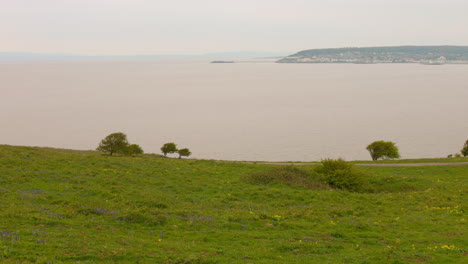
396	54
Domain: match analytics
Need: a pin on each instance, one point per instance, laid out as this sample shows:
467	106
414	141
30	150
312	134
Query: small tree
184	152
169	148
464	150
383	149
134	150
114	143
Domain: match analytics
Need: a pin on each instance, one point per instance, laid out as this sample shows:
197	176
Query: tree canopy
383	149
117	143
114	143
134	149
169	148
464	150
184	152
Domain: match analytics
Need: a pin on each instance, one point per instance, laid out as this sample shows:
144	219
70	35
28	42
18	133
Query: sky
128	27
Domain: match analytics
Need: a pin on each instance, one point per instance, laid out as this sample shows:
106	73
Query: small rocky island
428	55
221	61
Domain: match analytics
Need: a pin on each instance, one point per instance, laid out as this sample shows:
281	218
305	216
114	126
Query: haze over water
240	111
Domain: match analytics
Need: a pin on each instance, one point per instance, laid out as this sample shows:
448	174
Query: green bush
330	173
340	174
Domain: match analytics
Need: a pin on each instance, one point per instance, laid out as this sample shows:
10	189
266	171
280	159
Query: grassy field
430	160
387	161
82	207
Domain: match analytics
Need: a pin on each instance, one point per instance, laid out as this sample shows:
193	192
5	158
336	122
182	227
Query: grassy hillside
427	160
71	206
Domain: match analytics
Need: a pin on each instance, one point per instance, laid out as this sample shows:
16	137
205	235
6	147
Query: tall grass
288	175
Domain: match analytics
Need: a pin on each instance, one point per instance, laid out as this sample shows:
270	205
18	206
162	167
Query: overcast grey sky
202	26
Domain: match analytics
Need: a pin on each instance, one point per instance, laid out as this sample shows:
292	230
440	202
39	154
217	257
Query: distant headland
429	55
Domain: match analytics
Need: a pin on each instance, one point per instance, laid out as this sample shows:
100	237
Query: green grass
388	161
429	160
62	206
287	175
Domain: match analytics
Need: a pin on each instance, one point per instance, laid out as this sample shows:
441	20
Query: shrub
340	174
330	173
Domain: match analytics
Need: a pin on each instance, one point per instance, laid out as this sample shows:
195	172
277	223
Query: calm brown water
242	111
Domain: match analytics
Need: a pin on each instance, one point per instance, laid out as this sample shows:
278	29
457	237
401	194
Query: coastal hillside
396	54
68	206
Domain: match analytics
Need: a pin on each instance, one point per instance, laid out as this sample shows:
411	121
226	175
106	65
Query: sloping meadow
331	174
61	206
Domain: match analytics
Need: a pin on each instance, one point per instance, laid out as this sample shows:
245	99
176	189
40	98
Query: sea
254	110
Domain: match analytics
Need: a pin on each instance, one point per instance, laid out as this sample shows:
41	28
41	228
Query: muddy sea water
237	111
